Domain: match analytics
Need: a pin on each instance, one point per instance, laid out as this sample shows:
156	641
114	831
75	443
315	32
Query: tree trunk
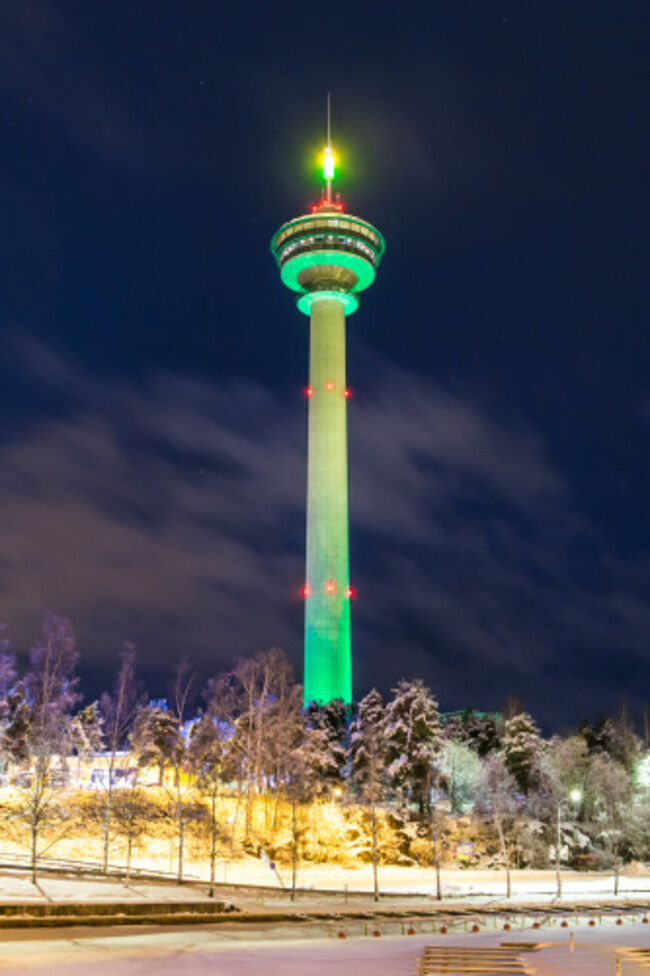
181	842
35	818
504	851
34	841
558	845
213	840
294	850
436	851
108	806
375	877
129	848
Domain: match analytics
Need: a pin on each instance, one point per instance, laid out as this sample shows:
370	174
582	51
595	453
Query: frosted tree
608	806
156	738
562	782
412	734
212	759
615	737
50	693
7	681
460	769
497	798
87	732
332	720
303	750
256	683
523	748
368	763
181	788
133	814
118	710
482	731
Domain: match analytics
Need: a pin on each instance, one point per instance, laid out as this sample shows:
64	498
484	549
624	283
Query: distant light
328	164
309	391
350	593
329	385
330	586
575	795
347	394
306	590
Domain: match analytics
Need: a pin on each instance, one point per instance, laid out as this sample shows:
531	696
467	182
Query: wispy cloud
172	515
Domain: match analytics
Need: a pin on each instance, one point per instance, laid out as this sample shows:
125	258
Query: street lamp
574	797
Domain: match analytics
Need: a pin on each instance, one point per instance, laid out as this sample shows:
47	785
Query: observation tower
327	257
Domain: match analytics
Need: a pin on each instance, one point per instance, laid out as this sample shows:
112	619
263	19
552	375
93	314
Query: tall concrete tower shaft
327	257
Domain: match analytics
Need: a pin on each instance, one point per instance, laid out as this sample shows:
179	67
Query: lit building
327	257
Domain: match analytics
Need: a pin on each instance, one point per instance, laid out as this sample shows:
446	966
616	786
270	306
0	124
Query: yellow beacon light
328	164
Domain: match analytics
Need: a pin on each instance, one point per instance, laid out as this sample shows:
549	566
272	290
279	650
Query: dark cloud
171	514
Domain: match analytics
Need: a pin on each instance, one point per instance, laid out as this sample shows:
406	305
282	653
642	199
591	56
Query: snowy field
206	952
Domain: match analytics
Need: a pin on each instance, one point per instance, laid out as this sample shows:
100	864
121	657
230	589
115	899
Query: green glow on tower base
327	258
328	669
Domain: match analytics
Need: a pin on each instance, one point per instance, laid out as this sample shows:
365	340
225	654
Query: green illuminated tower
327	257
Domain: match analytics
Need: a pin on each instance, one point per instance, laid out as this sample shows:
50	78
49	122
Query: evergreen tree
332	721
156	737
412	733
523	748
482	731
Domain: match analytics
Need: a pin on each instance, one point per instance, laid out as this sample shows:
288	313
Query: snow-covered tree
44	703
156	737
482	731
497	798
412	735
368	762
460	769
615	737
297	751
523	748
256	684
332	720
87	731
212	759
7	680
118	711
609	804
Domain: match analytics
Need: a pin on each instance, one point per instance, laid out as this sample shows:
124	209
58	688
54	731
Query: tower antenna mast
328	163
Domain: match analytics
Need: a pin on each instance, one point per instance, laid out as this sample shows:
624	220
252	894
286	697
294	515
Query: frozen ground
208	951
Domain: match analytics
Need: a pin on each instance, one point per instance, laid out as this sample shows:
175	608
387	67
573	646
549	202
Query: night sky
152	416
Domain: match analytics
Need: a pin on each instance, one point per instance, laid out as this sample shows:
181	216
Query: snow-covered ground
476	886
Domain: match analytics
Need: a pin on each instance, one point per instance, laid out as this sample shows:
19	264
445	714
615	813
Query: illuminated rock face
327	257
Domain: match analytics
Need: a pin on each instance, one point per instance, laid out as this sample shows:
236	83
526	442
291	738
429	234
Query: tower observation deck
327	257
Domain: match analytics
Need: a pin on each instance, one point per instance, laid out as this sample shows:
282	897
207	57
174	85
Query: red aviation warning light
309	391
329	385
330	586
306	590
350	592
